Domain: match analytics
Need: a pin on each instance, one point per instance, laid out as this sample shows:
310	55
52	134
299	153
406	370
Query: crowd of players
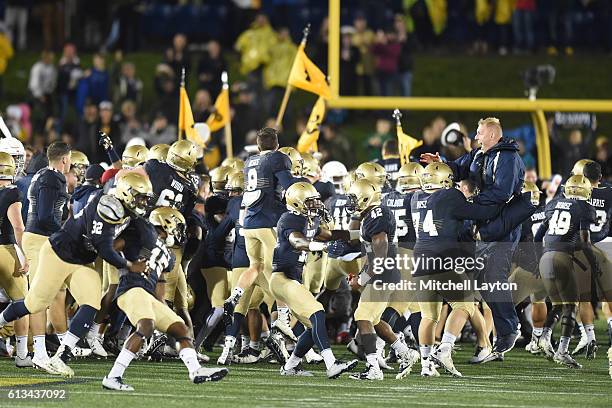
279	240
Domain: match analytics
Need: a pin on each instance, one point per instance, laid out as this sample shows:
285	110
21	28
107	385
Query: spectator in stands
161	131
503	19
523	20
87	134
168	100
405	61
42	82
387	50
180	56
164	72
246	113
603	157
202	106
334	146
94	86
349	58
431	142
363	40
276	72
210	68
109	124
128	86
69	74
573	148
129	125
375	141
559	14
6	53
16	21
321	45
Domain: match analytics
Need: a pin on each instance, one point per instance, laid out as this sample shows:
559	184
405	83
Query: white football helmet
15	148
335	172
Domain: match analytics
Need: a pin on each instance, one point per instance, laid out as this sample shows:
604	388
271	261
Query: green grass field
521	381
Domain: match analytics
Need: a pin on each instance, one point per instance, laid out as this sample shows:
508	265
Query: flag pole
228	125
289	88
180	134
397	115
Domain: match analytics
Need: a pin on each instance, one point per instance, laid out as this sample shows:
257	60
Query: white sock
581	328
236	294
190	359
537	331
244	341
328	357
590	332
21	346
254	345
425	352
283	313
265	334
40	348
449	338
564	344
70	341
609	321
230	341
400	347
372	360
292	362
122	362
94	330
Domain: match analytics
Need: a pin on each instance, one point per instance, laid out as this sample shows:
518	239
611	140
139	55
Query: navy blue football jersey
215	243
565	218
170	188
391	165
48	196
601	200
339	207
267	175
399	204
91	232
325	189
83	194
235	213
142	242
525	254
8	196
286	258
376	220
438	218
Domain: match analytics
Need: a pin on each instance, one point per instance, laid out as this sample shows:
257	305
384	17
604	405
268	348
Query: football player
296	160
390	160
267	175
377	236
565	232
158	152
174	187
137	296
15	148
67	256
437	214
335	172
297	230
233	162
218	179
48	196
601	200
375	173
13	266
79	163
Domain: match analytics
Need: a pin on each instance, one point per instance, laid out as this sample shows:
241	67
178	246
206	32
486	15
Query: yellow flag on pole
185	120
406	144
310	135
221	115
307	76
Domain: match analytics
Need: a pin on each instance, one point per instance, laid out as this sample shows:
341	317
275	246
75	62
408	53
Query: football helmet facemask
436	176
218	178
235	182
365	194
302	198
79	162
135	192
172	222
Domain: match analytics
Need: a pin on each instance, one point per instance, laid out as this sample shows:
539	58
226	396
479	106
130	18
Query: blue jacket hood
505	144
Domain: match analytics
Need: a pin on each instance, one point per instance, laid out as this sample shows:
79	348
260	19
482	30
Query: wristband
316	246
112	155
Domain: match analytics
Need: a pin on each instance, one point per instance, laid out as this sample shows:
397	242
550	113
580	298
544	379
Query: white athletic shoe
582	345
81	352
60	367
207	374
480	355
296	371
283	326
407	361
428	369
95	344
353	347
340	367
532	347
228	351
546	347
443	356
24	362
370	373
116	384
566	360
312	357
43	363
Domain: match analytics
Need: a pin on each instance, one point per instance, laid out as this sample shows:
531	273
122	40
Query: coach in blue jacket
498	171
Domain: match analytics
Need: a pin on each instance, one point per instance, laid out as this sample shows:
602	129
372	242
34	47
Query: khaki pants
31	244
52	273
15	287
260	243
138	304
216	285
301	302
176	283
314	272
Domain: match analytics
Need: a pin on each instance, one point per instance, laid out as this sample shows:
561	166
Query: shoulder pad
110	209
